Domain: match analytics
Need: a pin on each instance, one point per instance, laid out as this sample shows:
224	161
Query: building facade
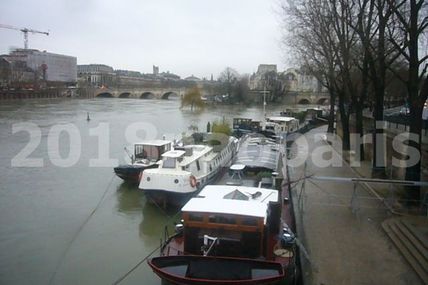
257	79
46	66
302	82
97	75
94	68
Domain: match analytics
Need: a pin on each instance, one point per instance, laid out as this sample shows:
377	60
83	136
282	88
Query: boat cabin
187	158
246	124
151	150
239	217
282	124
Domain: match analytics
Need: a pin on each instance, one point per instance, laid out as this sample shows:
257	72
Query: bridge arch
124	95
147	95
169	95
304	102
105	95
322	101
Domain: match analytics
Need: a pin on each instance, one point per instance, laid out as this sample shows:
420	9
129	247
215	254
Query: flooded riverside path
81	224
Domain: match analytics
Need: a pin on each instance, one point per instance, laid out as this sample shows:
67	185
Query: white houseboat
282	124
184	171
146	155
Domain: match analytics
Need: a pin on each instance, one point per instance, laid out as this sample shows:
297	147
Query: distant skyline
183	37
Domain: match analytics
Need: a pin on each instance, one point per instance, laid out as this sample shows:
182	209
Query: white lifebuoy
193	181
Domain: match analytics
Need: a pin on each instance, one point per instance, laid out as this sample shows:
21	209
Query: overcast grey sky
181	36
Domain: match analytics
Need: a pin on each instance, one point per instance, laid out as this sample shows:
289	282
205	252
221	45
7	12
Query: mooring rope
136	266
59	264
151	253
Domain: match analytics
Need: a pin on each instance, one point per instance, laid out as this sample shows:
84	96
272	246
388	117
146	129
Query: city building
192	78
128	73
94	68
299	81
96	75
257	79
155	70
32	65
169	76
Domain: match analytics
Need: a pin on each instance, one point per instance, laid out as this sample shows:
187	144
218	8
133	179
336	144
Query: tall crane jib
25	31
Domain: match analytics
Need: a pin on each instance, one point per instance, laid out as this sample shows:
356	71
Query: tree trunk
378	168
378	69
413	172
359	105
416	100
332	115
360	129
344	119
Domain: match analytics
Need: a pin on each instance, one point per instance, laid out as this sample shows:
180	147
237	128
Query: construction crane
25	31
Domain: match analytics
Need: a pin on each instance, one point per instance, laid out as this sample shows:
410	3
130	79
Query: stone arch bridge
314	98
305	98
140	93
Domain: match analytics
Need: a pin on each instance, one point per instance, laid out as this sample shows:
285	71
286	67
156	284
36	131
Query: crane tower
25	31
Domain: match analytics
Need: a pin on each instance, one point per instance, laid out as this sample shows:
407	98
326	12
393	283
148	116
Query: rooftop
154	142
174	153
281	119
224	199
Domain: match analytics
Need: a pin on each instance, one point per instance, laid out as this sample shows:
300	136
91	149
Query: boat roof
154	142
234	200
258	152
174	153
281	119
198	151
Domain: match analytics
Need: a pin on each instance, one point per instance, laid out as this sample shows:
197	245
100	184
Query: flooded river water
65	217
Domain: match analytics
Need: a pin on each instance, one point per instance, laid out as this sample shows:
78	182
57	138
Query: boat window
221	220
196	217
139	152
197	165
149	152
249	222
169	163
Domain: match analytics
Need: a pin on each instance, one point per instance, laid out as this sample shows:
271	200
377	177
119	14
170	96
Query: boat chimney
274	177
189	151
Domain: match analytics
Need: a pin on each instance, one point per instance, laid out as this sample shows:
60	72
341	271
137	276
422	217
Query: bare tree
380	57
276	84
311	39
321	34
240	89
411	20
228	79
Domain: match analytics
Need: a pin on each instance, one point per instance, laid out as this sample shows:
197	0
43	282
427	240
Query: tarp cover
218	270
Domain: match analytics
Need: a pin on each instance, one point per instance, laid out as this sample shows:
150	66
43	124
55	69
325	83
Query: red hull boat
195	270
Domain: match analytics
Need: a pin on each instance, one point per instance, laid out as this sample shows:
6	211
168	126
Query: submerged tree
221	127
192	98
